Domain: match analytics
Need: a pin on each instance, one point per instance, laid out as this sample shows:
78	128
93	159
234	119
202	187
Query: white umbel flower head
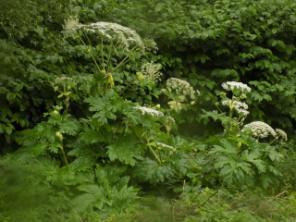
128	37
236	86
226	102
180	89
240	107
243	112
281	134
236	104
151	71
150	45
259	129
71	24
149	111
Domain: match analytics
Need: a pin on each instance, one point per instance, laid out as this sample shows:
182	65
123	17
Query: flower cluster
150	45
239	91
117	33
259	129
149	111
236	87
281	134
180	92
169	123
151	71
71	24
240	107
63	85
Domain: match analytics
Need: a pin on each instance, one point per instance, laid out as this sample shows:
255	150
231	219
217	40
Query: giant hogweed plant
56	137
212	41
245	155
113	52
93	128
96	132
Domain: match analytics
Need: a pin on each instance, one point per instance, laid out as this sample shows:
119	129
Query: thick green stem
154	154
64	155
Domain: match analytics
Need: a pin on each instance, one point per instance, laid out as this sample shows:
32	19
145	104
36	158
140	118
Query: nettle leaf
225	73
110	190
126	150
38	149
153	172
83	201
274	155
54	148
214	115
254	158
235	172
93	196
106	107
69	126
90	136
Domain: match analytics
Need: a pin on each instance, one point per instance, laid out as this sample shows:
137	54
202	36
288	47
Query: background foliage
76	143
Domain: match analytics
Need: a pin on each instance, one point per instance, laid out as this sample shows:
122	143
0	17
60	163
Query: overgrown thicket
147	110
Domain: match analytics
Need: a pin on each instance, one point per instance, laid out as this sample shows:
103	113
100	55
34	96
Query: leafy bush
95	116
213	41
210	205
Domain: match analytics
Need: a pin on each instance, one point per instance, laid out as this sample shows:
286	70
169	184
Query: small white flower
281	134
239	86
259	129
149	111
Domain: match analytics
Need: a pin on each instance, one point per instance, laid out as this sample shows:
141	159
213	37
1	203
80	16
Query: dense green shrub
209	42
94	116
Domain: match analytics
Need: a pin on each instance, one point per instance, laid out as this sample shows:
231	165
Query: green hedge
210	41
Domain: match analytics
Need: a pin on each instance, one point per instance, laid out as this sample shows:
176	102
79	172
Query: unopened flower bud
59	135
